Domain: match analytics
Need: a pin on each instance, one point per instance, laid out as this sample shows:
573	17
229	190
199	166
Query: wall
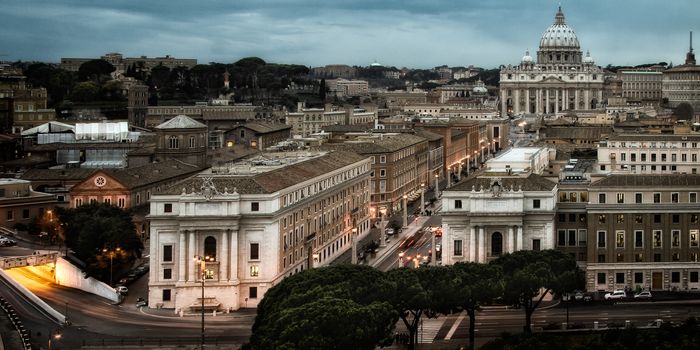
69	275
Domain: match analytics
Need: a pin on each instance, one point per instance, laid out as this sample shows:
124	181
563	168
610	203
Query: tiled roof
383	145
56	174
274	180
263	128
581	132
533	182
430	136
649	181
181	122
151	173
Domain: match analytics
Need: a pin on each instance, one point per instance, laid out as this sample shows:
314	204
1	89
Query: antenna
691	41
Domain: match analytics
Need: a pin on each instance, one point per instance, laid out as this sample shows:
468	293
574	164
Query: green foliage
684	111
85	92
95	70
476	284
91	228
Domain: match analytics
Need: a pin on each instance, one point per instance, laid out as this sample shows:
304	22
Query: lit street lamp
354	245
55	335
422	199
111	253
382	239
401	259
437	189
405	210
203	271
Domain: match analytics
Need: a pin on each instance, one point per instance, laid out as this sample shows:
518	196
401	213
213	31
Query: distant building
122	64
19	204
258	135
642	86
306	121
347	88
334	71
138	105
221	117
681	84
22	107
182	138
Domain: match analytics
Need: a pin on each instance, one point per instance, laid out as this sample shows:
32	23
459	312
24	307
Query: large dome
559	35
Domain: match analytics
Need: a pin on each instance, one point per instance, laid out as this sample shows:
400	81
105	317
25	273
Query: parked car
616	295
123	290
141	302
389	231
645	294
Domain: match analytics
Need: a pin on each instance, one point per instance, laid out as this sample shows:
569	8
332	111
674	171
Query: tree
335	307
89	229
476	284
322	90
684	111
95	70
85	92
530	275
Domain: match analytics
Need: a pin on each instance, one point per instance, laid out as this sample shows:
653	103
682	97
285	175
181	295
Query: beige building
649	154
20	204
121	63
559	79
256	221
307	121
347	88
681	84
642	86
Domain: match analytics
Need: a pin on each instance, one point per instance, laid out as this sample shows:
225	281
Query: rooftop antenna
691	41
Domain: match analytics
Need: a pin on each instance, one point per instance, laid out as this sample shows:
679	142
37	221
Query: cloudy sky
411	33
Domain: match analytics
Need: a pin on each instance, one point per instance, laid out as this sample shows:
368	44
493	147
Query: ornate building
560	79
681	84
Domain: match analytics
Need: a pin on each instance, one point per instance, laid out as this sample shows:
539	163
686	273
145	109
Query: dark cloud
415	33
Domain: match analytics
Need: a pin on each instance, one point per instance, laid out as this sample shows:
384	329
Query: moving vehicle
616	295
141	302
123	290
645	294
389	231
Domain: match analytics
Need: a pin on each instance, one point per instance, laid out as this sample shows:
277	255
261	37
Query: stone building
681	84
182	138
138	105
258	135
257	221
20	204
560	78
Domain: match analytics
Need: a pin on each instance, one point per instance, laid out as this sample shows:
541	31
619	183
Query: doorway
496	244
657	280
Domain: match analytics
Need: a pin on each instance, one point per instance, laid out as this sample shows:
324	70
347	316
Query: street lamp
476	155
382	237
55	335
468	165
437	189
111	257
203	271
405	210
422	199
354	245
401	259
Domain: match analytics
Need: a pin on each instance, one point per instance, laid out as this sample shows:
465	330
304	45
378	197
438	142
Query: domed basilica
560	78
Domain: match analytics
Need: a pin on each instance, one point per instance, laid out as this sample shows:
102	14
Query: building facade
257	221
681	84
649	154
560	78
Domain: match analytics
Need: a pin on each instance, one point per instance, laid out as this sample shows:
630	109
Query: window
25	213
675	218
639	257
572	217
638	219
253	292
254	206
210	248
657	218
675	277
674	197
457	247
572	238
536	245
601	239
601	278
562	217
657	257
619	277
166	294
619	239
254	270
573	196
620	218
167	253
173	142
10	215
693	218
675	239
582	239
121	202
694	277
657	197
536	203
167	208
254	251
382	159
639	239
601	218
382	172
693	238
601	258
601	198
620	198
458	204
561	238
693	197
193	142
638	198
656	239
639	277
167	274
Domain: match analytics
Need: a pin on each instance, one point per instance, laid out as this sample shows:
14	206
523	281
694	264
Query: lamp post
494	147
405	210
55	335
437	188
422	199
433	250
476	155
382	237
401	259
354	245
203	275
111	257
468	165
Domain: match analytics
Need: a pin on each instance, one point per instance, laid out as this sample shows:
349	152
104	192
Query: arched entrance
496	244
210	248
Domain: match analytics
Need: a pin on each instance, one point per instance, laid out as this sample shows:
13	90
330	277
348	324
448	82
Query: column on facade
233	252
538	102
472	243
519	244
576	99
600	96
504	98
527	100
223	260
459	170
510	240
546	101
182	256
482	245
556	101
516	104
587	96
564	99
190	258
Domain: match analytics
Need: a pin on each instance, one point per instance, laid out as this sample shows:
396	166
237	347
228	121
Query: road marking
453	329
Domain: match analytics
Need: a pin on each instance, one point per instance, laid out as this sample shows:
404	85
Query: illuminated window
620	239
254	271
693	238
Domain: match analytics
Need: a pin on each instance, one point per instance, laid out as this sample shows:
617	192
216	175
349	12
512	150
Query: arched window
173	142
210	248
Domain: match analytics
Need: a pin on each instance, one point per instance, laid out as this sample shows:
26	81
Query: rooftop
181	122
532	182
384	144
262	127
649	181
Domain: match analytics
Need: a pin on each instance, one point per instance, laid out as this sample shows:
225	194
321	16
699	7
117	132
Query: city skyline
395	33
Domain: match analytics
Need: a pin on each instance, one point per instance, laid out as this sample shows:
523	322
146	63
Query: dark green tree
85	92
476	285
530	275
322	90
684	111
95	70
91	229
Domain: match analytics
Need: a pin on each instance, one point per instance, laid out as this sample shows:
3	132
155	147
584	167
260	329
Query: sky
400	33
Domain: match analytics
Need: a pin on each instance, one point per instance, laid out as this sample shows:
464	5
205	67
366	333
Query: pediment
99	180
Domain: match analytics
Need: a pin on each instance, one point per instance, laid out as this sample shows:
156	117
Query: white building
560	79
649	154
258	221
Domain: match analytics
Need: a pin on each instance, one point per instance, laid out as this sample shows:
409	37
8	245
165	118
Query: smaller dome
527	58
480	88
588	59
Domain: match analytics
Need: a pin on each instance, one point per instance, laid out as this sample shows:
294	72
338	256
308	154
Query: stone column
504	99
190	258
482	245
600	96
472	243
564	100
182	256
527	100
538	102
576	99
459	170
233	252
516	104
223	260
556	101
546	101
509	241
587	96
519	245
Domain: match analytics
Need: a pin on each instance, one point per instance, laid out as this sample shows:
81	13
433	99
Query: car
141	302
389	231
123	290
616	295
645	294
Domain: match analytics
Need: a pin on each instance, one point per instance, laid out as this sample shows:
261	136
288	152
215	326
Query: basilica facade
560	78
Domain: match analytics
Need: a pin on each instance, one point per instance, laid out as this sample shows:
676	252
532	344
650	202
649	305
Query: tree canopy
95	70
